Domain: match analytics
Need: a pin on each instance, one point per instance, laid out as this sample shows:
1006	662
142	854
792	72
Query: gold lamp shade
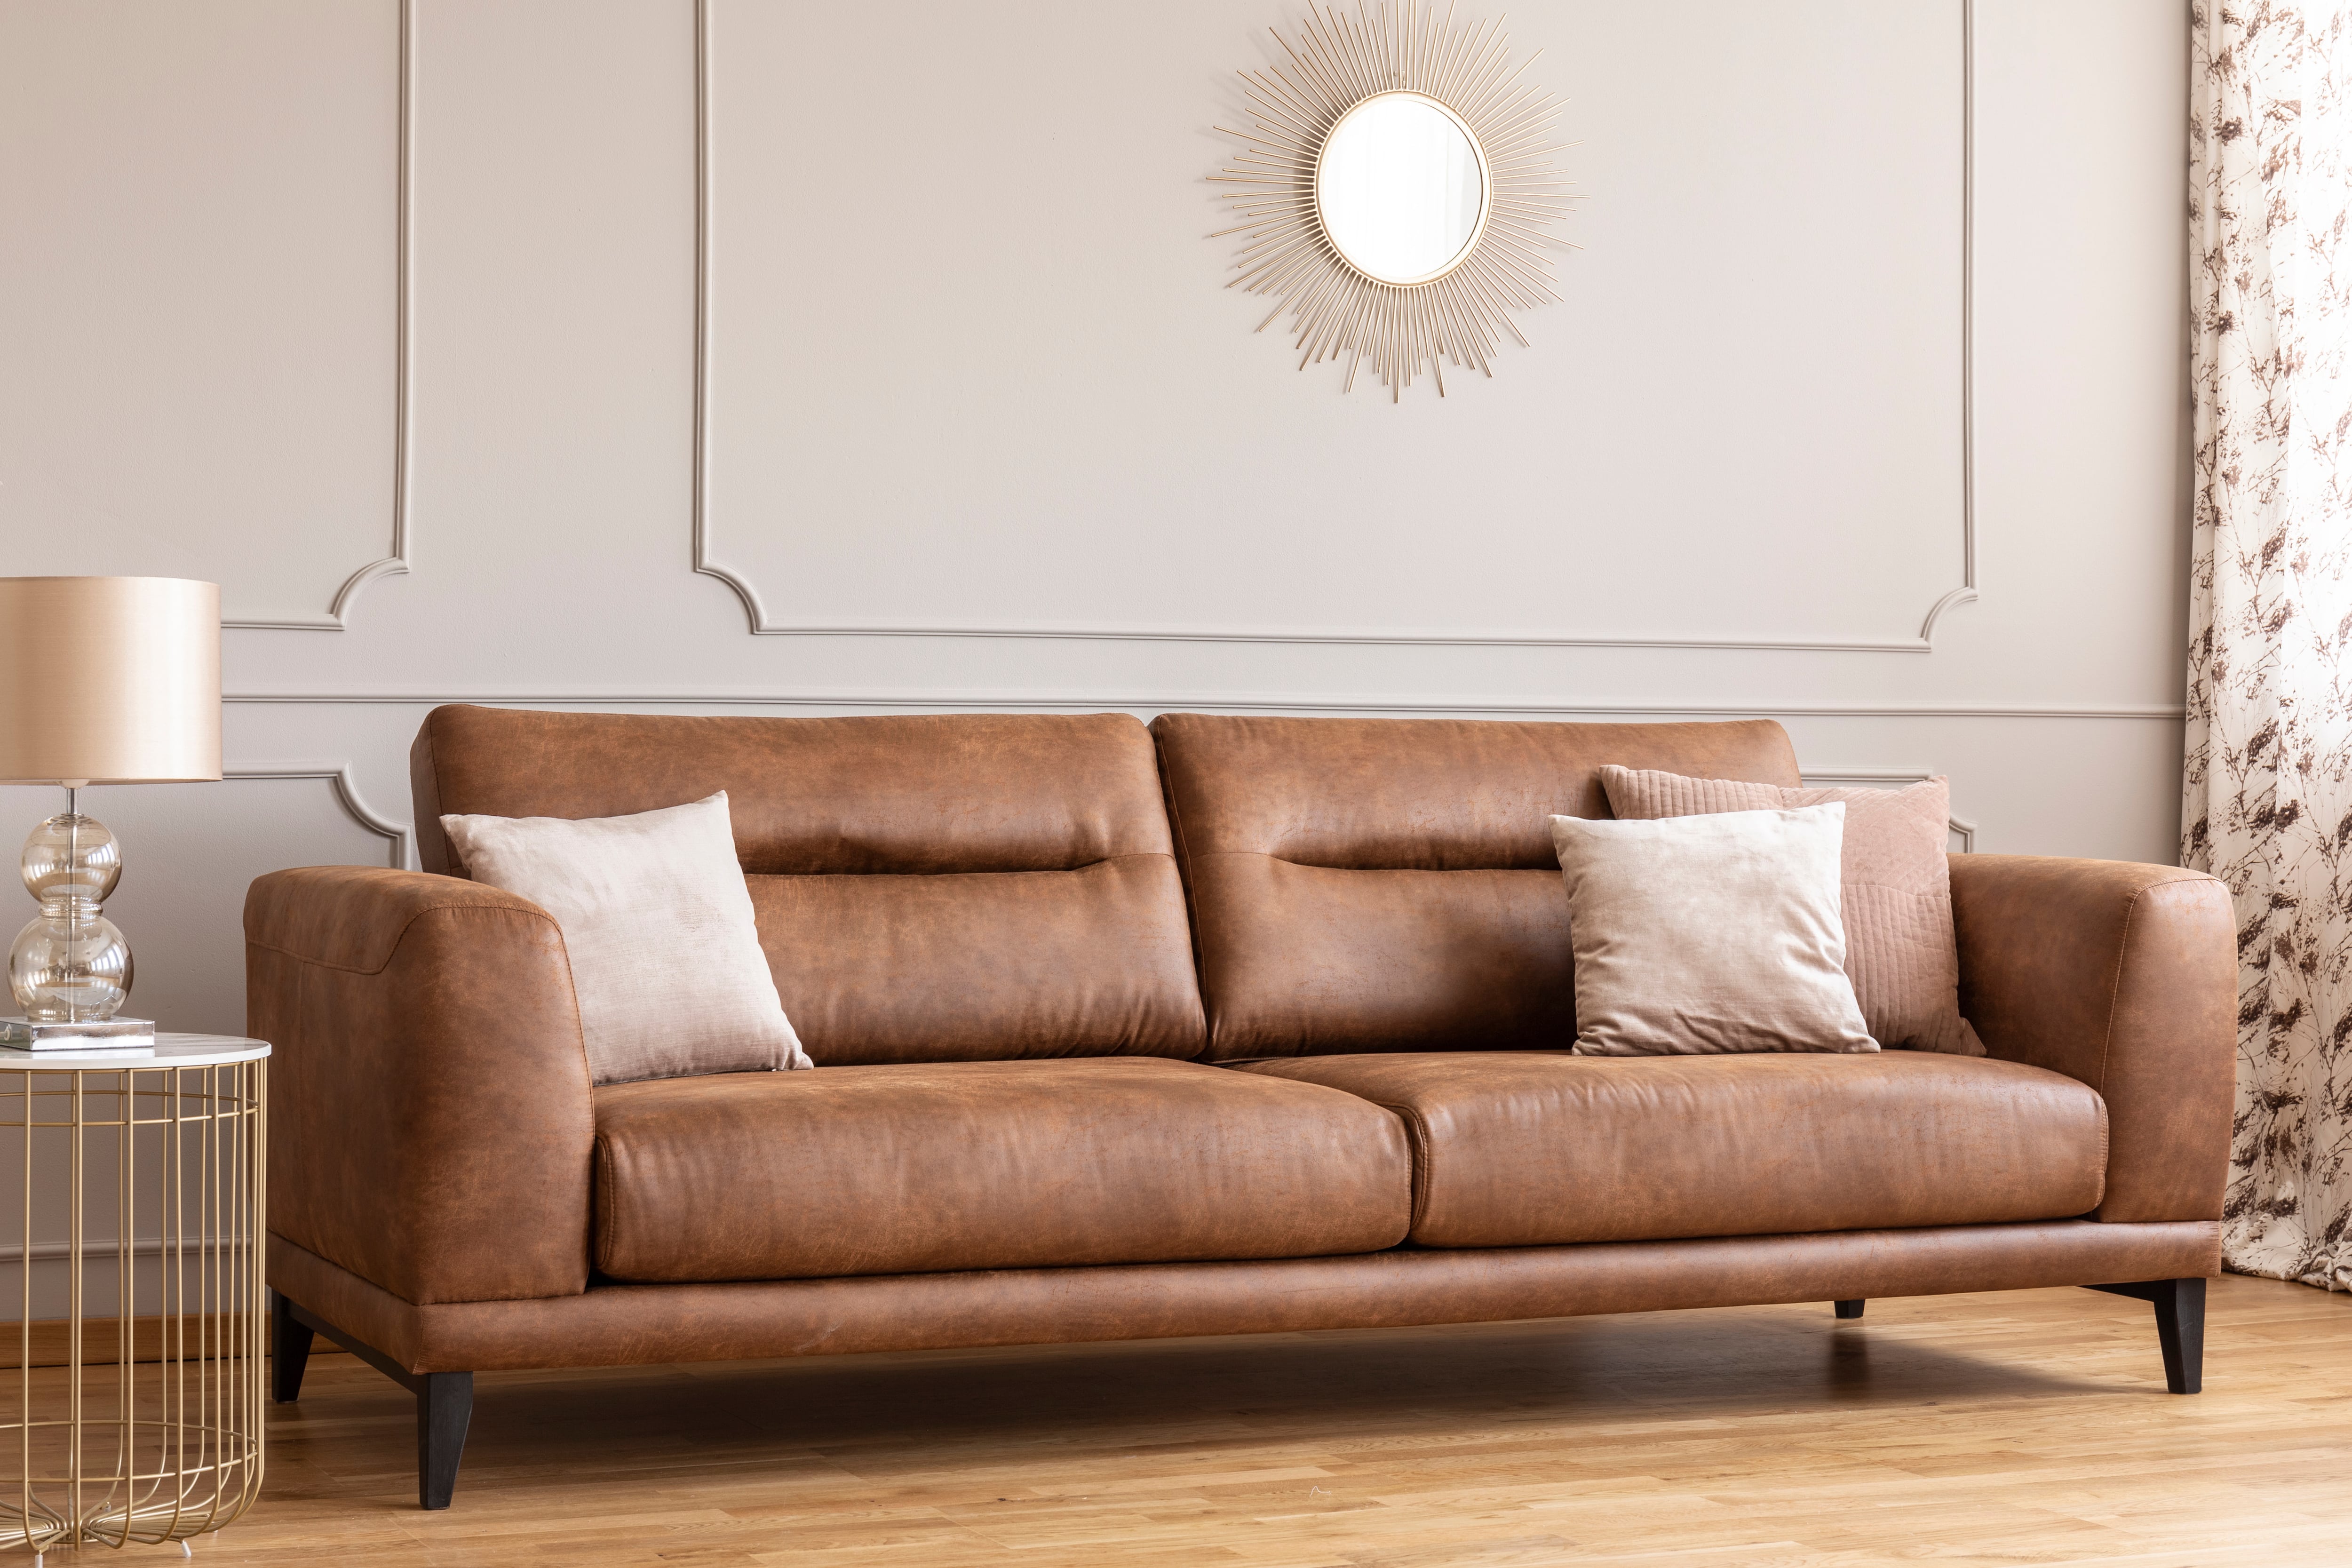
108	680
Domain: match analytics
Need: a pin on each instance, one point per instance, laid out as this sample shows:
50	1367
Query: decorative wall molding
401	836
762	624
1019	702
1895	777
396	562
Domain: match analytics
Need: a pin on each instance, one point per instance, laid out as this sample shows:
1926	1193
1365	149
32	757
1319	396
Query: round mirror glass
1400	187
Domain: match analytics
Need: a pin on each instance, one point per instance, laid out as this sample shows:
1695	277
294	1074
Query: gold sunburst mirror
1396	191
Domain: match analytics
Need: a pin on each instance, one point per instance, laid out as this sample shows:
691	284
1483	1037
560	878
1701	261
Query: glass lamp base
70	964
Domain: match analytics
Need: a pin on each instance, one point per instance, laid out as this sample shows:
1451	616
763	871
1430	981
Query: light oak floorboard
2024	1427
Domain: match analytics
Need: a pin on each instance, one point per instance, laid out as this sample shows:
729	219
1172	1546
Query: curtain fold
2267	791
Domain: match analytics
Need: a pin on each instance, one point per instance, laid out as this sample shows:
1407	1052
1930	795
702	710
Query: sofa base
632	1325
434	1351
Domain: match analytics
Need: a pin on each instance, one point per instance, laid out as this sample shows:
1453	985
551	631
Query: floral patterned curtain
2267	801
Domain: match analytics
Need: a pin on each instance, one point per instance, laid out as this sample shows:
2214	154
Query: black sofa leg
2179	1326
445	1407
290	1350
2180	1334
1848	1309
444	1400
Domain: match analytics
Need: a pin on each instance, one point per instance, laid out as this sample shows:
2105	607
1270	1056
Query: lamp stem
73	906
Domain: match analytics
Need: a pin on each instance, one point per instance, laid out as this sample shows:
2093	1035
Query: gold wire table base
152	1430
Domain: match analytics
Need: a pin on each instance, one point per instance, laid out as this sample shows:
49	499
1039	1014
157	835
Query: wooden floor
2021	1428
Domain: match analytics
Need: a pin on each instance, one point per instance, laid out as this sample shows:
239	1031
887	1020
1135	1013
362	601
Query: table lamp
102	680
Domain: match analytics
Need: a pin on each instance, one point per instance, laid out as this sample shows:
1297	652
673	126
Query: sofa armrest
2123	976
432	1125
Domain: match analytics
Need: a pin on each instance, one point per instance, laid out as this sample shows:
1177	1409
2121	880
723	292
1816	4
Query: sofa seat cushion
1527	1148
918	1167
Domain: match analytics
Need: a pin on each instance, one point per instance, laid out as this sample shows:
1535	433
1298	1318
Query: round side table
146	1425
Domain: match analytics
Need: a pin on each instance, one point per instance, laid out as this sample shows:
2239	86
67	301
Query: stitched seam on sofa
580	1030
433	770
579	1024
1021	871
2115	993
392	951
1416	870
2123	955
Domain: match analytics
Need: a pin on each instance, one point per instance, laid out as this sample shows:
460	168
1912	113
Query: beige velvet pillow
665	956
1697	935
1895	887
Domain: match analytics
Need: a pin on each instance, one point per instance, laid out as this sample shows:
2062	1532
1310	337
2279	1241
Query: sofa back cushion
958	888
1383	884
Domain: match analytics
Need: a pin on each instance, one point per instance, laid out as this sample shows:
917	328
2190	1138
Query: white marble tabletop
171	1052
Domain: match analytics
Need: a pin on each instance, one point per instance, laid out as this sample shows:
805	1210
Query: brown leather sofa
1259	1030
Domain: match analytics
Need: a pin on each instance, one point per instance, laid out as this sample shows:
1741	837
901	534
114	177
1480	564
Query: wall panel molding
400	837
761	623
395	562
1241	703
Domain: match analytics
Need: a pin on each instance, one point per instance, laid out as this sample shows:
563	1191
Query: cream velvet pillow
1698	935
1896	892
665	957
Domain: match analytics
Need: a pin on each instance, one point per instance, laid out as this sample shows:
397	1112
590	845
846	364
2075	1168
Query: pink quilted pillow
1893	884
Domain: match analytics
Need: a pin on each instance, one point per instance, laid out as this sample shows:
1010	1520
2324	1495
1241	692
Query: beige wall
970	367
